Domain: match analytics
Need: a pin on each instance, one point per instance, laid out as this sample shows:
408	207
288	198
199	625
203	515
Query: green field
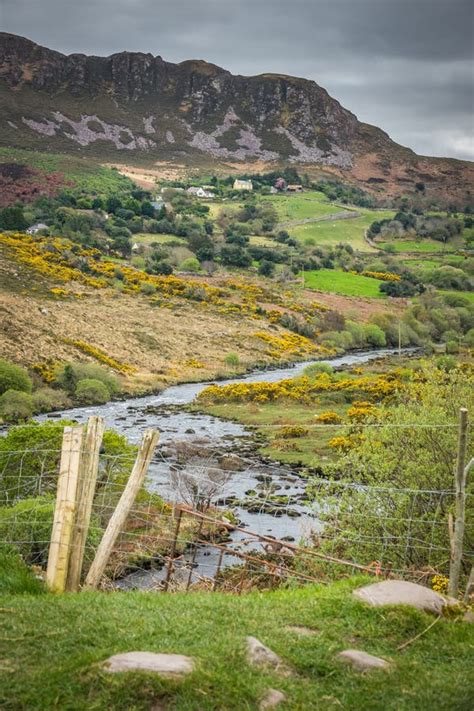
148	239
352	231
53	646
426	245
469	295
337	282
301	206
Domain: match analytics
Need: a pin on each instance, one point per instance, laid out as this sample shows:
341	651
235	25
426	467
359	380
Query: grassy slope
60	642
87	175
303	205
332	232
338	282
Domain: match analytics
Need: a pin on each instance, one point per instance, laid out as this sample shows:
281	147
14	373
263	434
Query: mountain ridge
141	106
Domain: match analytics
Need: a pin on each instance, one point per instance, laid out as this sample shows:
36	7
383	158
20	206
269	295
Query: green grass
469	295
147	238
415	246
15	576
337	282
310	450
88	175
53	647
300	206
329	232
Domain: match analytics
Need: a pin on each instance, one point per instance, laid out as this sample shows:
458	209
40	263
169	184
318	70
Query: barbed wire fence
207	518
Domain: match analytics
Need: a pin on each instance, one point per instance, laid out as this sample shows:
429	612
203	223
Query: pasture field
346	283
423	246
301	206
148	239
331	232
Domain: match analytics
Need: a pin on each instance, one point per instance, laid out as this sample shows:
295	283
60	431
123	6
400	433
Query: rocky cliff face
138	104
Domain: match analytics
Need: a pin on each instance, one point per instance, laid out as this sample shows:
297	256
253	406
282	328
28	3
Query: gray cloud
403	65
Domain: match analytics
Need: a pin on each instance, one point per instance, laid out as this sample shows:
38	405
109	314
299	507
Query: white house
200	192
36	228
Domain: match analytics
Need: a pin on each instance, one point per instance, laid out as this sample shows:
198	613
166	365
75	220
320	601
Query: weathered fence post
88	471
460	486
169	569
119	516
195	549
63	521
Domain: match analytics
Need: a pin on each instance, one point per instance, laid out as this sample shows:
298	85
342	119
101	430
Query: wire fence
207	517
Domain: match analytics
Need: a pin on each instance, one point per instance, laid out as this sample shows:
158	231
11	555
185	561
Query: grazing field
346	283
332	232
61	642
426	245
148	239
301	206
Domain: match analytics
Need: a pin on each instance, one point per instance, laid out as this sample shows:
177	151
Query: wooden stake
63	521
195	550
460	477
218	569
89	468
119	516
172	552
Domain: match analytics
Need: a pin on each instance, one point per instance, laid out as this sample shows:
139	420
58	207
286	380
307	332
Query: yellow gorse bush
302	388
99	355
329	418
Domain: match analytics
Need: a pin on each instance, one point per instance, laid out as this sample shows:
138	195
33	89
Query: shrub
452	347
232	360
27	525
91	391
329	418
190	265
317	368
47	399
375	336
147	288
15	576
69	375
15	405
13	377
291	431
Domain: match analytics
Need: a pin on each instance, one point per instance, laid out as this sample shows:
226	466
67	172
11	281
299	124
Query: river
166	412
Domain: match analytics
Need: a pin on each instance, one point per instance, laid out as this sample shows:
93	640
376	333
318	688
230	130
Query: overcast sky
403	65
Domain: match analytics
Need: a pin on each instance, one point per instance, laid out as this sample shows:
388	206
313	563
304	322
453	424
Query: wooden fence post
63	521
119	516
88	471
460	486
169	569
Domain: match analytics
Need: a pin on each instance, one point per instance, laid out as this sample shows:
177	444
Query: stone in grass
258	655
361	661
401	592
271	700
167	665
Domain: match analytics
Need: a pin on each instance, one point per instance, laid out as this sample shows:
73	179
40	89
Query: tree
266	268
12	218
14	377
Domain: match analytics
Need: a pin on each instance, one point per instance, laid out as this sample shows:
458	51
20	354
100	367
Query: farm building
243	185
294	188
200	193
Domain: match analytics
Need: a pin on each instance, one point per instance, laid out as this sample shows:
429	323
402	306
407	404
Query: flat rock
362	661
258	655
271	700
401	592
168	665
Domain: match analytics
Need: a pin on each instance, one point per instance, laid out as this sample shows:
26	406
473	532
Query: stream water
166	412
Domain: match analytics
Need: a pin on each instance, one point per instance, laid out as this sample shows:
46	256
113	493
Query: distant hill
133	107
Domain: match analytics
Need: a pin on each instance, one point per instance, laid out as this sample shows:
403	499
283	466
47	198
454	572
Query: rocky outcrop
141	105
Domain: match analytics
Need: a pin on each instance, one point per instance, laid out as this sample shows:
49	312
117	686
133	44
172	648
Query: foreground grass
346	283
53	647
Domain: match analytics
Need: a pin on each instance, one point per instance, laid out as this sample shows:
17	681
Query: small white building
243	185
200	193
36	228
